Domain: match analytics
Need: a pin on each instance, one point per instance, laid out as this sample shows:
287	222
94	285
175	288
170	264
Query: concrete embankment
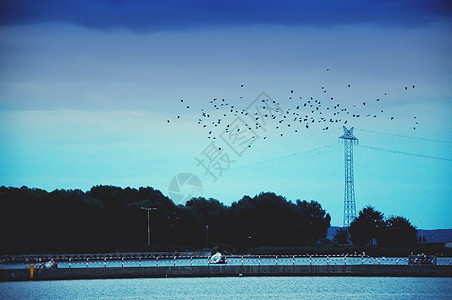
223	271
33	258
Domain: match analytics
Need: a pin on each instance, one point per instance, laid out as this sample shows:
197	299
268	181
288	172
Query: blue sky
87	89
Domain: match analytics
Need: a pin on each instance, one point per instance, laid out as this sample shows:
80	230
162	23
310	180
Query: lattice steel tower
349	196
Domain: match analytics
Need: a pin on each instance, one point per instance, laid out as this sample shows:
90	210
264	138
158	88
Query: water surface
233	288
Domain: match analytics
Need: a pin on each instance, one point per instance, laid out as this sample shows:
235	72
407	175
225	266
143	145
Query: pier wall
224	270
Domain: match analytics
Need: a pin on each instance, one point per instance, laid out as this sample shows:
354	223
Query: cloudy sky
111	92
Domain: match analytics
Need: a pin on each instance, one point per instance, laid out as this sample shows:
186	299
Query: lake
233	288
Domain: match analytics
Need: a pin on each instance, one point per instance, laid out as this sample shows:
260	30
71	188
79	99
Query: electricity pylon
349	195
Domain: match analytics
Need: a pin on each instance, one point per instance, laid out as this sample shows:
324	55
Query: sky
122	93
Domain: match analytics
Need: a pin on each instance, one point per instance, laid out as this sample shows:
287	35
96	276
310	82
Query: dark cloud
179	14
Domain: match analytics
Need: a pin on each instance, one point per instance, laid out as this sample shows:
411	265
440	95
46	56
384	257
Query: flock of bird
300	114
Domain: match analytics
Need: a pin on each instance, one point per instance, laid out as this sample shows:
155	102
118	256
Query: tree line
109	218
371	226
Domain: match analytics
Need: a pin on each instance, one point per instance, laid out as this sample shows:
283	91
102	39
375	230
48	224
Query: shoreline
226	271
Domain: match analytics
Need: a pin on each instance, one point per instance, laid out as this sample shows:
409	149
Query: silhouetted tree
398	233
341	236
268	219
314	221
213	214
366	226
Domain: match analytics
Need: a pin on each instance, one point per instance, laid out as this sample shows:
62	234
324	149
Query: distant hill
436	235
332	231
431	235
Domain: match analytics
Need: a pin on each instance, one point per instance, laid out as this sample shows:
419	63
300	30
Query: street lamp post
207	236
149	224
422	232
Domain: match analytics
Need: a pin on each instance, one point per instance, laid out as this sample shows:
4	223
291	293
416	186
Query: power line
405	153
265	164
405	136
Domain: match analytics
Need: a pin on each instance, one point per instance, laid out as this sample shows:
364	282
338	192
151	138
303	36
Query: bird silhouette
297	116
